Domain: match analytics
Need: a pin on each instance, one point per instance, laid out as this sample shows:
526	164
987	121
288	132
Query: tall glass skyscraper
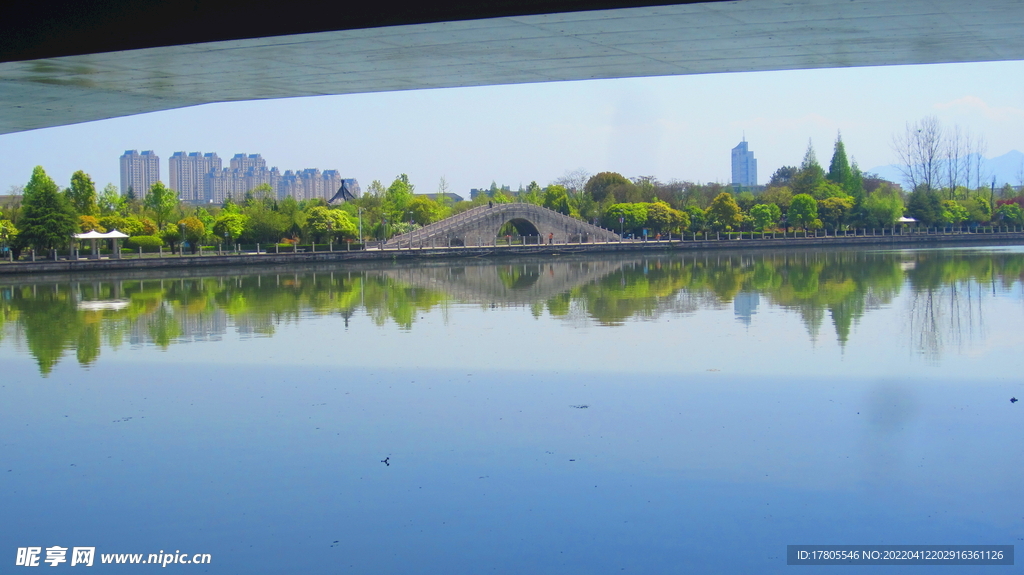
744	166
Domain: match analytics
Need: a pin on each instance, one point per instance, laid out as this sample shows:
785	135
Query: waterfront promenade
131	261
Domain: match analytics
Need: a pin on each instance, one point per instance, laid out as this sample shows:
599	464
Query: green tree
781	197
953	213
634	217
724	213
783	177
882	207
925	206
608	184
835	211
745	200
47	219
129	225
765	216
400	193
979	210
162	201
112	202
425	211
229	226
82	194
262	193
208	220
8	233
500	197
265	225
839	171
827	189
662	218
1009	214
855	184
194	230
171	235
533	194
556	198
803	211
698	218
810	175
323	223
375	189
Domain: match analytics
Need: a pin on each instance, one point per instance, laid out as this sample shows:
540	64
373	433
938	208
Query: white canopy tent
94	235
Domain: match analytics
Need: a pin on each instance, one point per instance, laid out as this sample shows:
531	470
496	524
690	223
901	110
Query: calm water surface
640	415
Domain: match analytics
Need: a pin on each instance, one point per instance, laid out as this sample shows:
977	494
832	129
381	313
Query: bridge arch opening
519	227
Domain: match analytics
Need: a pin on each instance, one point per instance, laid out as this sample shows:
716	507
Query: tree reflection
838	288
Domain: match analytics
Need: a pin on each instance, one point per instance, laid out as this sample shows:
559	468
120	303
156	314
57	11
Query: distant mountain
1006	169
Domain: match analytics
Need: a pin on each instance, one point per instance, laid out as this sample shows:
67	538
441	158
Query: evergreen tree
783	177
854	186
839	168
810	174
47	219
925	206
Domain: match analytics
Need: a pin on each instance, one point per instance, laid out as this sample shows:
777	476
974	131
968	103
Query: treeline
806	196
46	217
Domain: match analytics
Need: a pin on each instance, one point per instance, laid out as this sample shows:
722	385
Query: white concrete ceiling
746	35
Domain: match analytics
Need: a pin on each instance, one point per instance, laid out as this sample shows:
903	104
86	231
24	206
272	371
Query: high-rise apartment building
245	163
187	174
200	178
139	172
744	166
311	183
247	171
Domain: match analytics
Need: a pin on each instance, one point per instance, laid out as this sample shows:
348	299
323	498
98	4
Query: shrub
147	243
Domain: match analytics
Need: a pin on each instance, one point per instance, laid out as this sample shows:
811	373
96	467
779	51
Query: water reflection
830	290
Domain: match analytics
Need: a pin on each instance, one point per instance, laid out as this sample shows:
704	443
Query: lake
640	414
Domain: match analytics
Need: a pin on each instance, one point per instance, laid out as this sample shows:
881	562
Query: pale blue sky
680	127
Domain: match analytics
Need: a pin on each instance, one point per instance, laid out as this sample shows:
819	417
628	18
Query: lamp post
360	224
182	227
225	236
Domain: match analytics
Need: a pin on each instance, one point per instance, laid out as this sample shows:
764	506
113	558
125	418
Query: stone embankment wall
245	260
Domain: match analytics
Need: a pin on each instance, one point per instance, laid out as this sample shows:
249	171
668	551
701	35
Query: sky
672	128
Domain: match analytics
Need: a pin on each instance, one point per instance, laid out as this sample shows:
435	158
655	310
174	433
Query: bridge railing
446	225
437	227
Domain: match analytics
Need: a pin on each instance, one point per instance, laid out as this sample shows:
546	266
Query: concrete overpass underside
63	62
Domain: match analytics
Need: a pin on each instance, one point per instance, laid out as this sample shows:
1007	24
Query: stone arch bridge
480	227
